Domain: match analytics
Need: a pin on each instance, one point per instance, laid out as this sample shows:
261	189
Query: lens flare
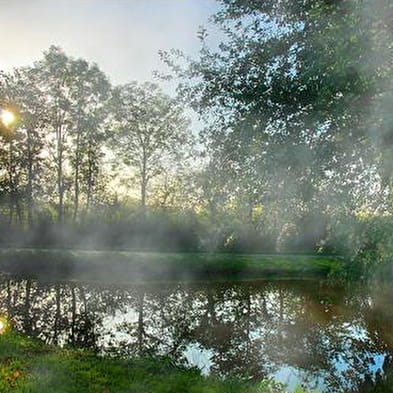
4	325
7	117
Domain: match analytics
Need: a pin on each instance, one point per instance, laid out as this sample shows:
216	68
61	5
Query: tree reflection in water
309	332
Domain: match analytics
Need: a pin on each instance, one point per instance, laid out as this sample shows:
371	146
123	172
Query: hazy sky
122	36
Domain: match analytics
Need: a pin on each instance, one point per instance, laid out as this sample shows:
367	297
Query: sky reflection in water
307	332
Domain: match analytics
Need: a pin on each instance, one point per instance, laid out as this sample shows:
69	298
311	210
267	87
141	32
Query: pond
314	333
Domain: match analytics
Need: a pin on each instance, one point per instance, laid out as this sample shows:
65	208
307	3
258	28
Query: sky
122	36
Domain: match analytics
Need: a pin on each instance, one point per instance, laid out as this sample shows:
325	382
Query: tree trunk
141	298
144	182
56	330
90	180
73	316
11	182
76	180
29	191
60	188
27	317
143	195
18	209
77	165
281	304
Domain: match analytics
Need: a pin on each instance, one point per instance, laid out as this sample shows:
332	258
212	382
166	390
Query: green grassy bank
28	366
126	266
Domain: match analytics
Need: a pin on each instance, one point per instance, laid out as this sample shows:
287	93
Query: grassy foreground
28	366
126	265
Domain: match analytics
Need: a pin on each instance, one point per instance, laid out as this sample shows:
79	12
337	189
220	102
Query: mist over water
118	210
312	333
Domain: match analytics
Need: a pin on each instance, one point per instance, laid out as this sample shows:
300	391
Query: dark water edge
311	332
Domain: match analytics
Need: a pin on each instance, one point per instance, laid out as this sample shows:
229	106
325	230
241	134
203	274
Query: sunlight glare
7	117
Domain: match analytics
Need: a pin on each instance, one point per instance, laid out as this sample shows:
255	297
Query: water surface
310	333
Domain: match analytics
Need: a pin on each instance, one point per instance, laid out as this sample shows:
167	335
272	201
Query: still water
308	333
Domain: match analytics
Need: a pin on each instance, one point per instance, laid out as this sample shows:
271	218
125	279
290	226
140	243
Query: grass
29	366
123	266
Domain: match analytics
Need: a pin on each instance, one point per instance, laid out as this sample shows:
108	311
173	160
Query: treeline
79	157
67	118
68	142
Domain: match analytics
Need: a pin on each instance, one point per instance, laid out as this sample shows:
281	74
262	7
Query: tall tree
24	137
77	96
53	72
150	131
30	108
89	95
303	82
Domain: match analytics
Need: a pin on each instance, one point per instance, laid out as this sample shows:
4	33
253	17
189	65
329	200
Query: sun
7	117
3	326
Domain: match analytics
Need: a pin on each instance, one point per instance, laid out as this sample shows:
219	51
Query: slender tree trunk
16	292
281	304
27	317
76	181
143	194
11	182
90	177
18	209
141	301
248	323
29	191
11	210
60	188
56	330
144	182
73	317
211	307
84	299
250	211
77	163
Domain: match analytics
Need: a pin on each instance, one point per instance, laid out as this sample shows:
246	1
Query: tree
300	87
77	95
29	106
24	138
150	131
53	73
89	94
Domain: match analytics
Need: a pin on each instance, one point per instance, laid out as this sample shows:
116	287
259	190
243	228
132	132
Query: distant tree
24	138
53	73
77	95
150	131
29	104
89	95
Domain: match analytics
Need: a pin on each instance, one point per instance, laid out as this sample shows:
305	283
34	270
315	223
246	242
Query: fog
150	150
